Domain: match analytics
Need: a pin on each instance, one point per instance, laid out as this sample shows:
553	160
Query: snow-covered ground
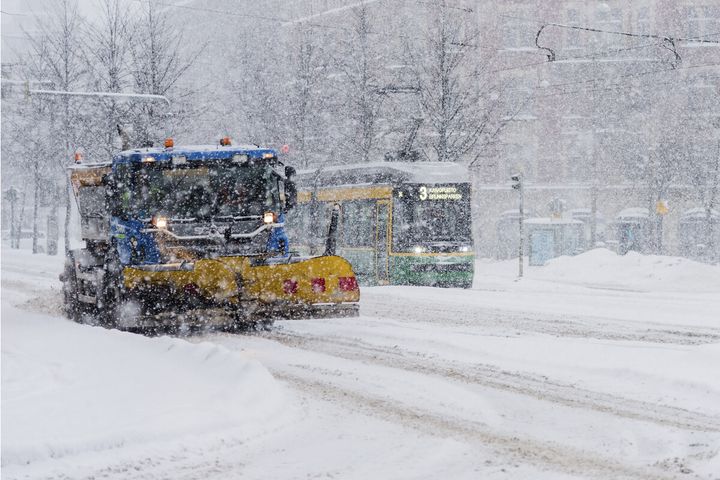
596	366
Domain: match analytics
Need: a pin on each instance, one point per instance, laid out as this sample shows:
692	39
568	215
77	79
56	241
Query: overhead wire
609	87
284	22
614	32
590	55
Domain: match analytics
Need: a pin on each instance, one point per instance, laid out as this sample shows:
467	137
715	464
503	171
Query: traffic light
517	181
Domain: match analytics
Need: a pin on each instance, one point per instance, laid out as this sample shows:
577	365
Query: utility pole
594	188
518	185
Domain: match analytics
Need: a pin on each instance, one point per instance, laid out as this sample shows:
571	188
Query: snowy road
534	379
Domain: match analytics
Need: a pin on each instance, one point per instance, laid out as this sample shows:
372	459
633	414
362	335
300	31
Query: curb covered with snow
68	389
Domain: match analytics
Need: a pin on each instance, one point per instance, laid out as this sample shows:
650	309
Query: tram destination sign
430	192
439	193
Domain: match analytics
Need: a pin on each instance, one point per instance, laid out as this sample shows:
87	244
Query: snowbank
634	270
602	268
69	388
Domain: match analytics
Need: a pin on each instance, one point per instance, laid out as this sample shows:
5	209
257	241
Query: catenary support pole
522	237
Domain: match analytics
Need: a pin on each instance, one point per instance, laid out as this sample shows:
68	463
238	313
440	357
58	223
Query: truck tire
111	295
71	304
120	310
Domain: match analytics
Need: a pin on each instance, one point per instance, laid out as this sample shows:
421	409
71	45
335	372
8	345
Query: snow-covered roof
552	221
190	148
389	172
585	213
192	152
509	213
699	213
633	213
515	213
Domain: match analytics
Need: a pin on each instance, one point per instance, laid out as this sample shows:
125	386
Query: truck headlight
159	222
269	217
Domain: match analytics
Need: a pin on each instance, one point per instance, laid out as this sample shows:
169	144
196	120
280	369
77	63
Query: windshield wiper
236	218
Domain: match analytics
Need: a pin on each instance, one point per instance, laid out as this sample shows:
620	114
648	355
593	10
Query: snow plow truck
194	237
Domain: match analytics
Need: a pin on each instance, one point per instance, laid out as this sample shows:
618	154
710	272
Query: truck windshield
201	191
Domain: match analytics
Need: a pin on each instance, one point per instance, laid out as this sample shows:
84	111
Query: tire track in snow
36	299
581	326
540	453
538	387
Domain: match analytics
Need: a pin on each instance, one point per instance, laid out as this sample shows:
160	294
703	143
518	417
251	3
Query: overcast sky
19	14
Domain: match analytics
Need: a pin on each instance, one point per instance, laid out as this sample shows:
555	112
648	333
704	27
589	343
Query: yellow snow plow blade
318	286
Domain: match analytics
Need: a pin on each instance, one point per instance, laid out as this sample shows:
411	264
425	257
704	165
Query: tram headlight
465	248
419	249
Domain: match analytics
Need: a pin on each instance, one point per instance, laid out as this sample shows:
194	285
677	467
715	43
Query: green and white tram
400	223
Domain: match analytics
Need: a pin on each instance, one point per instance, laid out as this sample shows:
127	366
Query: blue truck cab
167	205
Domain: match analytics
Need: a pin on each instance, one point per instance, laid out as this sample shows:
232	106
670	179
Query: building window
520	157
609	19
358	222
702	22
572	35
516	32
643	21
520	95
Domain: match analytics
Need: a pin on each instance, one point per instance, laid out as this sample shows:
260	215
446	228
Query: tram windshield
431	214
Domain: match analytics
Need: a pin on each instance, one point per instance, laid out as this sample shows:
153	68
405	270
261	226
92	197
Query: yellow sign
661	207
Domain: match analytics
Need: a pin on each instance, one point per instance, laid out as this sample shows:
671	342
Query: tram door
381	242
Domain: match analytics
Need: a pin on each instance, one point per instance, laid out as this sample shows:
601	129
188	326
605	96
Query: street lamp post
518	185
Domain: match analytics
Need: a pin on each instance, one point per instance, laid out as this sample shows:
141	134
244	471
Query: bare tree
307	109
58	56
34	153
108	52
446	73
158	64
361	67
704	176
254	104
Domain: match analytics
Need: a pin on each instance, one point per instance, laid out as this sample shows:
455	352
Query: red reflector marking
347	284
318	285
290	286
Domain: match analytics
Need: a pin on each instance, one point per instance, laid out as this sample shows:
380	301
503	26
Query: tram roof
388	172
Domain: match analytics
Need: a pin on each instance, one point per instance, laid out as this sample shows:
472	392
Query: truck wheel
71	304
112	292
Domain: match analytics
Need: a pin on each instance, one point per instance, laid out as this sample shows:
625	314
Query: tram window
316	219
358	220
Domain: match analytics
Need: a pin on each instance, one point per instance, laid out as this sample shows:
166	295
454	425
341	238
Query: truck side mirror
290	189
290	195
